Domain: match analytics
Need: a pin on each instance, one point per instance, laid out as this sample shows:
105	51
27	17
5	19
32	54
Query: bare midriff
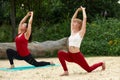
73	49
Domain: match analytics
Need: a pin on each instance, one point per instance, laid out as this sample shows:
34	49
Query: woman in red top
21	41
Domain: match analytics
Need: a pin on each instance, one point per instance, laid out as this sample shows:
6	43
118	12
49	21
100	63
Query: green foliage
5	33
53	11
51	32
93	7
4	12
102	38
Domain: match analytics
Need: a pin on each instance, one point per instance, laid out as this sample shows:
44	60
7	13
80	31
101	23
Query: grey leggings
11	54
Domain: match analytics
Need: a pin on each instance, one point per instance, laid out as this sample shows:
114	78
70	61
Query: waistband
73	53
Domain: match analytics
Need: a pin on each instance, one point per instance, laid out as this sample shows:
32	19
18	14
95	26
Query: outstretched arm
23	21
83	28
75	16
76	13
28	32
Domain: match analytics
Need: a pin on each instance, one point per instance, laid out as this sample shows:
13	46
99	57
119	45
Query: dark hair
30	38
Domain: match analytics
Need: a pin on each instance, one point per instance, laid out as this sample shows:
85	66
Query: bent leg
11	54
80	60
62	57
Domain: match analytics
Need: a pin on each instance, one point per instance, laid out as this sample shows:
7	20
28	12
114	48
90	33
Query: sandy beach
112	71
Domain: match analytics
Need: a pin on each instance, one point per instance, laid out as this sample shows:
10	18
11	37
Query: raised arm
76	13
28	32
23	21
75	16
83	28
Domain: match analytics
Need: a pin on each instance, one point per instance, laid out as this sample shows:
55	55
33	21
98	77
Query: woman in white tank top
78	30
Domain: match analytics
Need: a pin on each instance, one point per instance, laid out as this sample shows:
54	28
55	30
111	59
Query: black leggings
29	59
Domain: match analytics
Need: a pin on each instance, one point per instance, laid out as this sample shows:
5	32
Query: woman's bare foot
12	66
52	63
65	73
103	66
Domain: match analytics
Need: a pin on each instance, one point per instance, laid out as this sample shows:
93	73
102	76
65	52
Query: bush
51	32
102	38
5	33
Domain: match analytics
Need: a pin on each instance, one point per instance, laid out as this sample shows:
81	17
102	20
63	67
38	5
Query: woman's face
23	27
76	25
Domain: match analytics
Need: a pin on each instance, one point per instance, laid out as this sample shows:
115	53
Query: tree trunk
12	17
37	49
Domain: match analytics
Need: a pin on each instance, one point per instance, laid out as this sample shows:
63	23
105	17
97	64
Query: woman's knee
35	64
60	53
88	69
8	51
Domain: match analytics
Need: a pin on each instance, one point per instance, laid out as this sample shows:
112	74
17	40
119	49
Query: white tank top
75	40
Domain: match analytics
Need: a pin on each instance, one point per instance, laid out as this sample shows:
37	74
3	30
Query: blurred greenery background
52	22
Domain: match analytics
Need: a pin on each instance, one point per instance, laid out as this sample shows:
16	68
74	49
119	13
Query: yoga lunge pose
78	30
21	40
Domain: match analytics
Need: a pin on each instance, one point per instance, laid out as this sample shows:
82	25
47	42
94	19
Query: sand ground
112	71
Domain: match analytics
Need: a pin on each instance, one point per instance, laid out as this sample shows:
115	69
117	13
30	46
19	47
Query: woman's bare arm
83	28
23	21
28	32
76	13
75	16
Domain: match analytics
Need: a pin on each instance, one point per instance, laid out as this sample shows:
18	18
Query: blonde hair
79	21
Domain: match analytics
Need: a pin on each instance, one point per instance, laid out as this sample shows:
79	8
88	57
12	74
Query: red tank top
22	45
